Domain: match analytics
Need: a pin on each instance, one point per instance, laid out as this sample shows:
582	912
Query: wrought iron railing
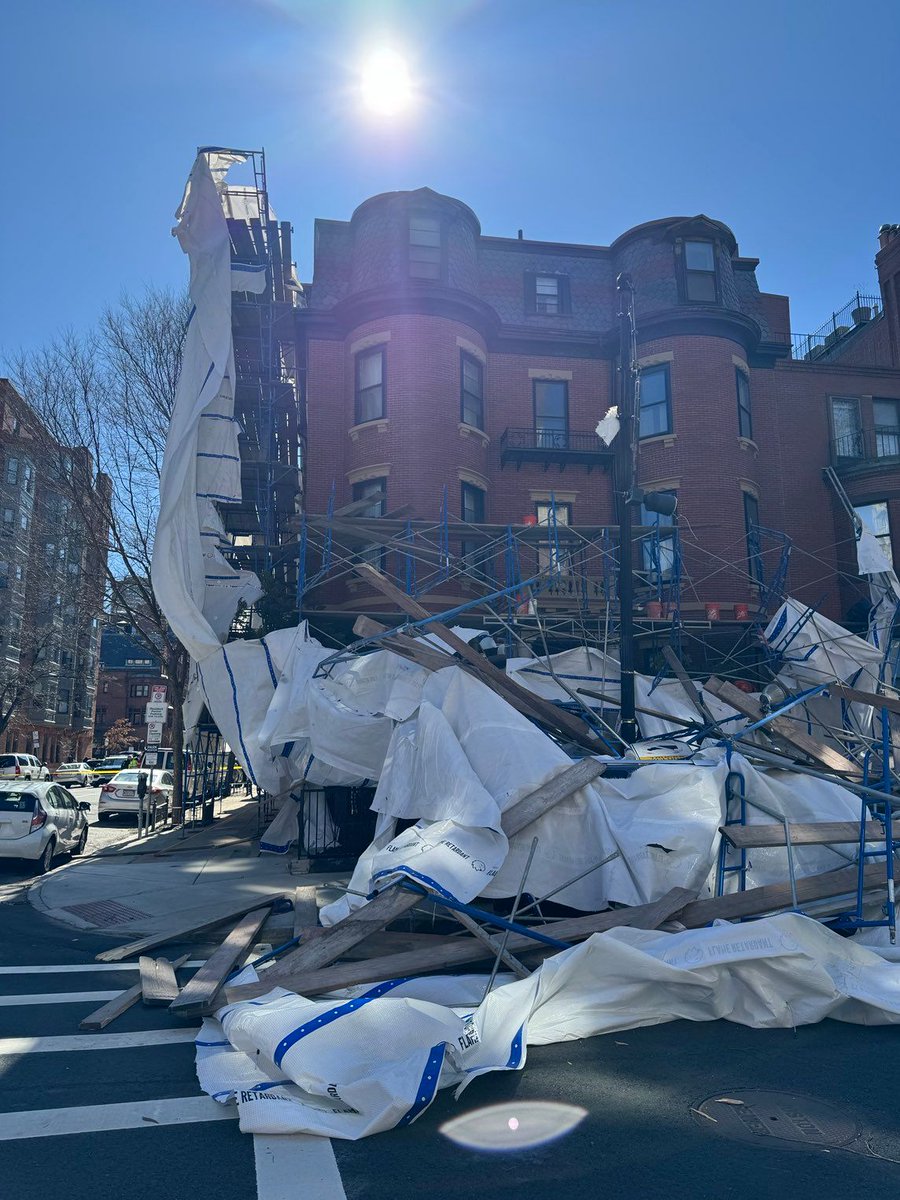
551	439
832	338
866	446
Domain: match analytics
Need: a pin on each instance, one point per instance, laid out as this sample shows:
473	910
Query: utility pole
624	466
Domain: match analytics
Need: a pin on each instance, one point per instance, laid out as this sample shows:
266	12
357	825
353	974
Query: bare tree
112	392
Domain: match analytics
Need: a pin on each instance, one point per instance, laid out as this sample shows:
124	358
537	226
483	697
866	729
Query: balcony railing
561	446
835	337
866	447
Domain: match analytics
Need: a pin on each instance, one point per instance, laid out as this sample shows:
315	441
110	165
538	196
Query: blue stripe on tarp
220	417
326	1018
199	1043
426	879
272	674
237	712
238	266
427	1085
515	1050
216	496
230	578
208	454
212	367
287	749
190	316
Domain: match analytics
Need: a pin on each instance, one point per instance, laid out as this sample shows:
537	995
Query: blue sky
572	120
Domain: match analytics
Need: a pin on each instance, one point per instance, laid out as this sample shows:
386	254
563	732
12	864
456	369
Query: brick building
438	357
128	671
52	574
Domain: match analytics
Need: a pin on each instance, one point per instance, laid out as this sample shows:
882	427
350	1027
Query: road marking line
288	1162
99	1118
95	1041
59	998
66	968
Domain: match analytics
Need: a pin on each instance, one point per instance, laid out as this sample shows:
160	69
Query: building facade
52	576
442	361
128	672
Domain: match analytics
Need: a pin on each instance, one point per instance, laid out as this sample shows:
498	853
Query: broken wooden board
424	655
394	902
520	698
688	686
456	951
158	982
786	729
819	833
385	941
773	897
101	1017
194	920
199	993
875	699
306	909
494	946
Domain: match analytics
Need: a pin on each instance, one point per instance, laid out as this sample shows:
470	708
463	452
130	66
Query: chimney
887	262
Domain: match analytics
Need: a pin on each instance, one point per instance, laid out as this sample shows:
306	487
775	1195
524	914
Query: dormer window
547	295
700	273
424	247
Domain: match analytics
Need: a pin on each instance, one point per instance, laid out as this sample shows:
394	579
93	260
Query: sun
385	84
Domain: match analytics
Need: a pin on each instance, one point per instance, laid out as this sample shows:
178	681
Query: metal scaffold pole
624	488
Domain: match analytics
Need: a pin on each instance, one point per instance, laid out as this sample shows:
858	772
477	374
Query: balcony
561	447
865	449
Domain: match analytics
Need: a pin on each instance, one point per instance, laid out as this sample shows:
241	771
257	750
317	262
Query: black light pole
624	488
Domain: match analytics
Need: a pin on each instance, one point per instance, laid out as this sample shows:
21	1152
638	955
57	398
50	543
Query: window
745	417
424	247
658	548
19	572
105	685
472	504
876	519
369	386
4	574
552	554
27	476
12	470
656	403
139	689
751	526
887	427
8	519
62	706
547	295
471	384
135	717
551	414
845	427
700	272
377	489
477	556
23	521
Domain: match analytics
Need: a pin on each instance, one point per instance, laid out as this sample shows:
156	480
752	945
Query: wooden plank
820	833
395	902
200	991
101	1017
521	814
786	729
875	699
456	951
425	655
687	685
775	896
195	920
306	909
158	982
494	945
519	697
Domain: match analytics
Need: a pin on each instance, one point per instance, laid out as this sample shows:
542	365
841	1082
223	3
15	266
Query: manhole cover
105	912
752	1116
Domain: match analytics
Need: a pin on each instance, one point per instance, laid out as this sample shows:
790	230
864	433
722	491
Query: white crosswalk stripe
95	1041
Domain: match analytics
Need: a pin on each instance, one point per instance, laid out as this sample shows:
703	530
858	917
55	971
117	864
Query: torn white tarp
350	1067
811	649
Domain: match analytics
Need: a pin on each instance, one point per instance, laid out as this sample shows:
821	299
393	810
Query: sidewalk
142	886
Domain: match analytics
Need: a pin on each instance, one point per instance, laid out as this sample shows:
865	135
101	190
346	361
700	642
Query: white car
22	766
39	821
120	795
73	773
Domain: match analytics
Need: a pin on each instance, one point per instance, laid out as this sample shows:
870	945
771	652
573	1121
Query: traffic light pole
624	487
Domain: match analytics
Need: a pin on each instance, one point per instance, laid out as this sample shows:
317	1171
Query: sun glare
385	83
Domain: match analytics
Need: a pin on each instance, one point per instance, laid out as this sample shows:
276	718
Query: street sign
154	733
35	737
151	758
157	710
157	693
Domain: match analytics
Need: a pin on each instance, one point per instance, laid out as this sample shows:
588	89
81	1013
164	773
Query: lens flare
519	1125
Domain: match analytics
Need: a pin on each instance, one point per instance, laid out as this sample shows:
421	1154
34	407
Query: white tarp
373	1059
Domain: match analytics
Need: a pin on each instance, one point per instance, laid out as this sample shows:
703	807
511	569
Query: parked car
108	767
22	766
73	773
40	820
120	794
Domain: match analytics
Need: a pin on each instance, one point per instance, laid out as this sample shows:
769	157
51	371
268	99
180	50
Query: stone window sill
666	439
474	432
749	444
380	424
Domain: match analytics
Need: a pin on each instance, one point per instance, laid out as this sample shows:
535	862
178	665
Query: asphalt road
642	1135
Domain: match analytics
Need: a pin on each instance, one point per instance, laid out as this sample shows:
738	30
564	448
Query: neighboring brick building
127	672
52	575
438	357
